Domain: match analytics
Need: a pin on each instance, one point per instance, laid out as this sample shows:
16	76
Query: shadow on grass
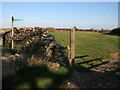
86	77
80	68
36	76
81	56
112	34
97	59
93	66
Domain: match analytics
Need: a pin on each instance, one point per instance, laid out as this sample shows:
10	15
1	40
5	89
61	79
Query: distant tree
102	30
116	31
96	30
92	29
76	29
51	29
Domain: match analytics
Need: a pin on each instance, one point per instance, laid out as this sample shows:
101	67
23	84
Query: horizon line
60	27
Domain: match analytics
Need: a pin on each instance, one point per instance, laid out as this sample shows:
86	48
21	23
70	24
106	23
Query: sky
61	14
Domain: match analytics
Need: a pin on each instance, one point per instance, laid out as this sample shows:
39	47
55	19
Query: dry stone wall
38	39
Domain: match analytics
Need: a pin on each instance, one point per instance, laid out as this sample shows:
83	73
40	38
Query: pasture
90	46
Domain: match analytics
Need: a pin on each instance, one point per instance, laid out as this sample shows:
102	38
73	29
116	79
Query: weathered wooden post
12	44
72	44
14	20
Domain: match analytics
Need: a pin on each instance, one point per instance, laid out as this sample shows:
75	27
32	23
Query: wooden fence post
72	44
12	46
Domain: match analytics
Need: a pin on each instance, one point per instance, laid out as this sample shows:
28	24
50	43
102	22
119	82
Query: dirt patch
92	80
112	65
103	76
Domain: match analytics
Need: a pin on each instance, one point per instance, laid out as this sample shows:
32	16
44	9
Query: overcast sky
61	14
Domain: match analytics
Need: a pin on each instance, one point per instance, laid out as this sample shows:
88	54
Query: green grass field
97	46
93	44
